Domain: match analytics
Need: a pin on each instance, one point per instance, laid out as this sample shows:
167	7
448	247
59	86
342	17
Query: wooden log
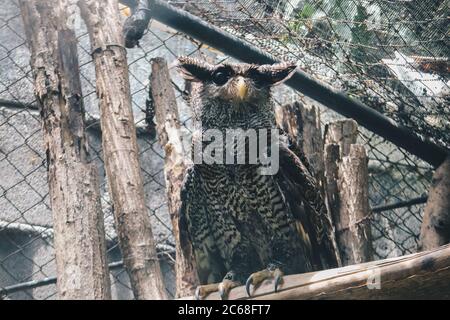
435	229
168	128
353	228
79	237
423	275
121	154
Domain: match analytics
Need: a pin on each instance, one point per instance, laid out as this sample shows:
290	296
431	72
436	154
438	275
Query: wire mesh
389	54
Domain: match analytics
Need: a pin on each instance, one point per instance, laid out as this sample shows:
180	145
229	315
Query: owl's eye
220	77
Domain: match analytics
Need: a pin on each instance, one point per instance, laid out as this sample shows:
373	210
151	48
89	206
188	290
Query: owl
246	225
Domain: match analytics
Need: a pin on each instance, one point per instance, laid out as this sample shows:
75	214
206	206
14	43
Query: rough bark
168	128
79	239
120	149
312	139
343	133
435	229
302	125
353	227
346	186
331	164
423	275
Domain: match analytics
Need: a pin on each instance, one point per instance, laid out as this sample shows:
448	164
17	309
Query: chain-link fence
389	54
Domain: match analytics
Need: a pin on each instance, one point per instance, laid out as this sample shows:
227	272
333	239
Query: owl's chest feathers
222	115
236	189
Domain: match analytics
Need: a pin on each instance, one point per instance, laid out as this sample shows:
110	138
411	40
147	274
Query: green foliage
302	18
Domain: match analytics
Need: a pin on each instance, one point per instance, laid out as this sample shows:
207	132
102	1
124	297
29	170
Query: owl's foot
223	287
272	272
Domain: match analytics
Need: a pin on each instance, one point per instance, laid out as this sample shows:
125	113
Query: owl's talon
222	288
278	281
248	283
225	287
197	293
257	278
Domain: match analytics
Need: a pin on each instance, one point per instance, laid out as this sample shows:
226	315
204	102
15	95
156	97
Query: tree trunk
168	129
353	228
423	275
346	186
73	180
435	229
121	154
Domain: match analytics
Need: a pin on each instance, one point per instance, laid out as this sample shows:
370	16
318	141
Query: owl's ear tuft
193	70
278	73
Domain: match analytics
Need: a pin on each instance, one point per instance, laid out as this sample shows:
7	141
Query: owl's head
236	83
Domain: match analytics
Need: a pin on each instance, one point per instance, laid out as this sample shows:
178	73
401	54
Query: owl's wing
195	232
304	199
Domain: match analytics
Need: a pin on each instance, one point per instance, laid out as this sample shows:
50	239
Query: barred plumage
240	221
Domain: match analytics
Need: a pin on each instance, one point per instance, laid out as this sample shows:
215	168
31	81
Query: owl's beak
242	88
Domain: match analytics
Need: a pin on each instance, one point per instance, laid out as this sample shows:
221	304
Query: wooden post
302	125
423	275
346	176
168	129
120	148
353	230
435	229
73	180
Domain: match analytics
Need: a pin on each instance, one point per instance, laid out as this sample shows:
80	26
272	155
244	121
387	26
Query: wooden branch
168	128
79	238
435	229
424	275
120	148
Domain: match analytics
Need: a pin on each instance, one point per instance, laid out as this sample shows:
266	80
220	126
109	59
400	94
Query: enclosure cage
391	55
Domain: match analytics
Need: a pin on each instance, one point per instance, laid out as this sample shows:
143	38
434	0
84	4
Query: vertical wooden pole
120	148
168	129
346	176
353	229
73	180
